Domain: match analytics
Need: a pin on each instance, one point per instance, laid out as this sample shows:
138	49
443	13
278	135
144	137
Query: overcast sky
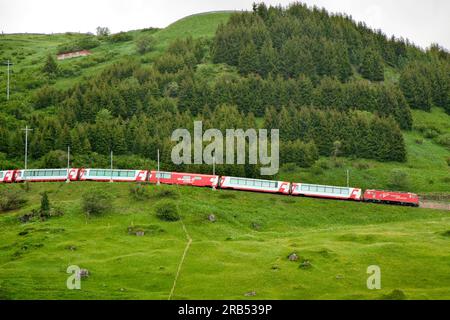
423	22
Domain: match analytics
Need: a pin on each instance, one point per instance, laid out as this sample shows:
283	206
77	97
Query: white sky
423	22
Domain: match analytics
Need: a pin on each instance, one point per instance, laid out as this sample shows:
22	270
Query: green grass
29	51
227	258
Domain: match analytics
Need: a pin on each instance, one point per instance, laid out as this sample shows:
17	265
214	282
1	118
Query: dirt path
188	244
435	205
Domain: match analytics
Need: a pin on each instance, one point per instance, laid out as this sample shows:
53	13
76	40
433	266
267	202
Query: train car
328	192
391	197
256	185
46	175
189	179
115	175
7	176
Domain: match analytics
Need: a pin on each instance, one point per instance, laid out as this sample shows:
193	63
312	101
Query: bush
45	204
399	180
120	37
290	167
361	165
96	203
11	200
167	211
138	192
145	44
444	140
167	193
78	45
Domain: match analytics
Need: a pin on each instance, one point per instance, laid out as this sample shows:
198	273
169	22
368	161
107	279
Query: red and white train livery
256	185
390	197
46	175
212	181
7	176
330	192
113	175
189	179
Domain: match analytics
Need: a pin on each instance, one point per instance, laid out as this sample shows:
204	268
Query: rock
84	273
305	264
26	217
250	294
212	218
339	277
140	233
72	248
256	226
293	257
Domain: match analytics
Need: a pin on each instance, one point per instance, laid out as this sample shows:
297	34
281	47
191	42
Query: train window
186	178
131	173
1	175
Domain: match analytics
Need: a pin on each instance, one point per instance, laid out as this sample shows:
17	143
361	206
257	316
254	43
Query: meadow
245	250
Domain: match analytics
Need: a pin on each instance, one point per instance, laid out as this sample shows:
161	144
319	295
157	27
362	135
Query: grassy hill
29	51
245	250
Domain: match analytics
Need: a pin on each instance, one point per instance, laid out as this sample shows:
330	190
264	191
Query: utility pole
348	178
7	83
111	179
68	164
214	169
26	148
157	173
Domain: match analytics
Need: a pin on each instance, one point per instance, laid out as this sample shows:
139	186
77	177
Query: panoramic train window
1	175
164	175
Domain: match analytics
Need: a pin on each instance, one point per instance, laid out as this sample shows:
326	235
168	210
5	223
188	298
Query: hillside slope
245	250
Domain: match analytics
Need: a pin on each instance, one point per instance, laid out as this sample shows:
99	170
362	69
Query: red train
212	181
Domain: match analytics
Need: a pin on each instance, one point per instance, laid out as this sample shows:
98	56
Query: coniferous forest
320	78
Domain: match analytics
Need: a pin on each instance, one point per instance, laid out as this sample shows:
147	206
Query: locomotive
212	181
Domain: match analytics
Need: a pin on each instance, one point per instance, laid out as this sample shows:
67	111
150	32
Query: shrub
430	134
290	167
167	193
45	204
448	161
84	43
323	164
167	211
138	192
394	295
399	179
95	203
362	165
419	141
444	140
11	200
145	44
120	37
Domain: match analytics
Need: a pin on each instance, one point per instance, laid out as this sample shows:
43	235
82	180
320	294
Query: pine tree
248	59
372	67
50	66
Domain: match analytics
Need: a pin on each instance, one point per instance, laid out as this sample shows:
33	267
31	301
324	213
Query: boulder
84	273
293	257
250	294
